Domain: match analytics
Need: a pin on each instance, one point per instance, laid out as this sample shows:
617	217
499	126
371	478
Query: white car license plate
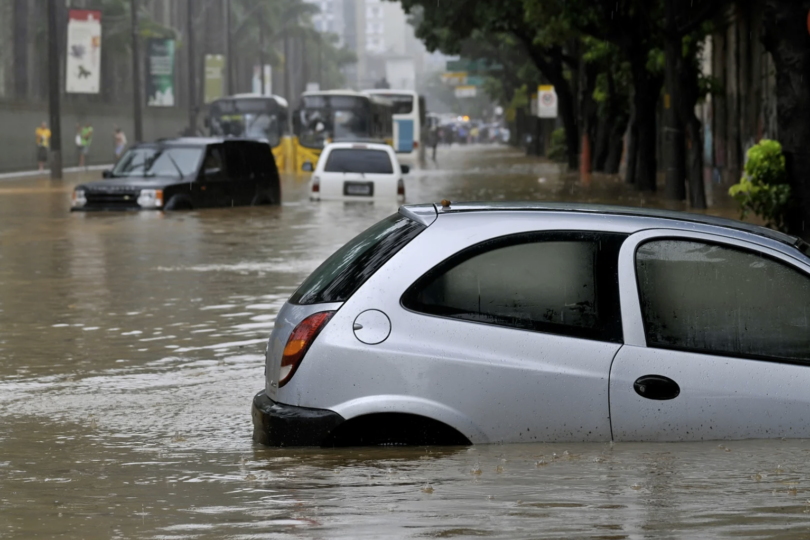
361	189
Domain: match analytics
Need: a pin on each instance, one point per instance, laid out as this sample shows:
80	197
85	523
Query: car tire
179	202
262	199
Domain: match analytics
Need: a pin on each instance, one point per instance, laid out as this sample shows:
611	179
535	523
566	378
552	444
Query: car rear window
356	160
349	267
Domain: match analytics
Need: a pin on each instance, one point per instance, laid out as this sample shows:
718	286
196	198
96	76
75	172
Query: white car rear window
357	160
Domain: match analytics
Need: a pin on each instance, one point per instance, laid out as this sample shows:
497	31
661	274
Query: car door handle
656	387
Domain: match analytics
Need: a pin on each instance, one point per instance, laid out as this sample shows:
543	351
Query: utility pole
228	70
320	61
261	56
192	82
288	77
136	73
53	93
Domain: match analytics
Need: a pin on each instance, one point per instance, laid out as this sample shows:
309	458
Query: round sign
547	99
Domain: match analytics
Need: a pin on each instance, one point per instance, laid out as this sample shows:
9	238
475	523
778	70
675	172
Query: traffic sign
546	101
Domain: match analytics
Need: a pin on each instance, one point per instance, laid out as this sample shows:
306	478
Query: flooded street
132	344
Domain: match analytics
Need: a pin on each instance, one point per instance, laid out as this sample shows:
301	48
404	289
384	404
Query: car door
515	334
241	180
717	340
214	188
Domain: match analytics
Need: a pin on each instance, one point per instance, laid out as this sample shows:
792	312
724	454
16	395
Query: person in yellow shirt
43	135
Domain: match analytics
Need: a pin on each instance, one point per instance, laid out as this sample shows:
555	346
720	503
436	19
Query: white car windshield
150	161
356	160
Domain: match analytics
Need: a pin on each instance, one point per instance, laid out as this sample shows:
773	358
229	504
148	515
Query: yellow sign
455	78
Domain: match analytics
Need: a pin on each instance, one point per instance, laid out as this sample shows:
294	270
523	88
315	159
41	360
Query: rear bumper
277	424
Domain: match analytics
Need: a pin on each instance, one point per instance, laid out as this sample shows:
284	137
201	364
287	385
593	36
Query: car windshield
349	267
356	160
151	161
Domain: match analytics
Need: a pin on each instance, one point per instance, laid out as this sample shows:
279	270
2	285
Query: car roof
194	141
426	213
359	145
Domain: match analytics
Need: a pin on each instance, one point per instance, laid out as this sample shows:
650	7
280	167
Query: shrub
764	188
558	150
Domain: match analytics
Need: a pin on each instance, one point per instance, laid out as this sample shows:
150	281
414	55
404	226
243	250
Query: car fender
412	405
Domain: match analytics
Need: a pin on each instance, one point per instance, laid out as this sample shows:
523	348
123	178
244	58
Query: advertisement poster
214	76
160	74
83	68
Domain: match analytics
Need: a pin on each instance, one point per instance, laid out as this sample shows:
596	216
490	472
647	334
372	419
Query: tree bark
645	99
674	149
632	147
786	37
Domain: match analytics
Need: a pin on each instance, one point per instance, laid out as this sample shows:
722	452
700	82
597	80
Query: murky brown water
130	349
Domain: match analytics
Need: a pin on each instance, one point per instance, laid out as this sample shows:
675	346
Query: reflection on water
131	345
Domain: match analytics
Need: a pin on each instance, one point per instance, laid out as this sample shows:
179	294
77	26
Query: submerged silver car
461	323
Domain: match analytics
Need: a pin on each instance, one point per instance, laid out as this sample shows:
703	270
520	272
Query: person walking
86	134
43	136
120	141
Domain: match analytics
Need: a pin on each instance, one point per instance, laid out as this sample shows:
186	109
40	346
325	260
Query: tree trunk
786	37
645	99
674	147
697	193
602	145
632	147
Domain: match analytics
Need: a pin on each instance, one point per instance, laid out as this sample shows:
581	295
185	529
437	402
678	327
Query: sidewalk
23	174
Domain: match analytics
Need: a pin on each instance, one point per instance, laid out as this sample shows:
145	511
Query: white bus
409	118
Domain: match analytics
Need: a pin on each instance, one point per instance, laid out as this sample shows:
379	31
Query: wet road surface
131	346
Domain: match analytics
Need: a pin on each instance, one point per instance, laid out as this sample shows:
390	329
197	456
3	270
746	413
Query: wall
18	148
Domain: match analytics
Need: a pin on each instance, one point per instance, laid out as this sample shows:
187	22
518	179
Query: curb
47	172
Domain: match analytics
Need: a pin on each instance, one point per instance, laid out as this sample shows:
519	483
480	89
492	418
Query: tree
786	38
446	25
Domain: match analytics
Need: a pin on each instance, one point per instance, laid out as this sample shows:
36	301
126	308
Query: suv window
349	267
213	164
562	283
357	160
722	300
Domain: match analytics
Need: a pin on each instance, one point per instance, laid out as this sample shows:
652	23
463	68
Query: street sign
466	91
454	78
546	101
84	52
474	66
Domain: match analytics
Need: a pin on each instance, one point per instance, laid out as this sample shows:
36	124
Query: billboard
83	69
160	73
214	76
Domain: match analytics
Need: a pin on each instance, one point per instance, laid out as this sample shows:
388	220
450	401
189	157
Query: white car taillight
299	342
400	187
316	184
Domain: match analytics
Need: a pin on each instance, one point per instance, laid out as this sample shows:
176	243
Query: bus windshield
325	118
401	103
249	118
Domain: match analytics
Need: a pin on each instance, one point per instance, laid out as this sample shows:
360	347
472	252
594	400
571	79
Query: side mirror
307	166
106	173
213	171
405	169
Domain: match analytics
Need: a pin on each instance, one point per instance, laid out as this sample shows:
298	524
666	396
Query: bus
409	120
253	116
338	115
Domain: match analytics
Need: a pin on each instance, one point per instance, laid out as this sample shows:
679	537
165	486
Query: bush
558	150
764	188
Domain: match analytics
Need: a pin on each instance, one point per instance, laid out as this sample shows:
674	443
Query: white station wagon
463	323
357	171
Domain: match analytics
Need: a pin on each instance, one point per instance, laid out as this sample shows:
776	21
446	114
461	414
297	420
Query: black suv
186	173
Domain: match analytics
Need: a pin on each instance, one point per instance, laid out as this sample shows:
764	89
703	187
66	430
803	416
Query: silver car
463	323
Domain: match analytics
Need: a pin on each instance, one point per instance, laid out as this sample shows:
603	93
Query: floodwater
131	346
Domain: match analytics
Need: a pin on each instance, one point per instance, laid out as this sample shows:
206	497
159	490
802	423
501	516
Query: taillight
316	184
400	187
299	342
415	145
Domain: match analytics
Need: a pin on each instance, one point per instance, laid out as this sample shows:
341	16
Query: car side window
213	164
716	299
237	161
561	283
